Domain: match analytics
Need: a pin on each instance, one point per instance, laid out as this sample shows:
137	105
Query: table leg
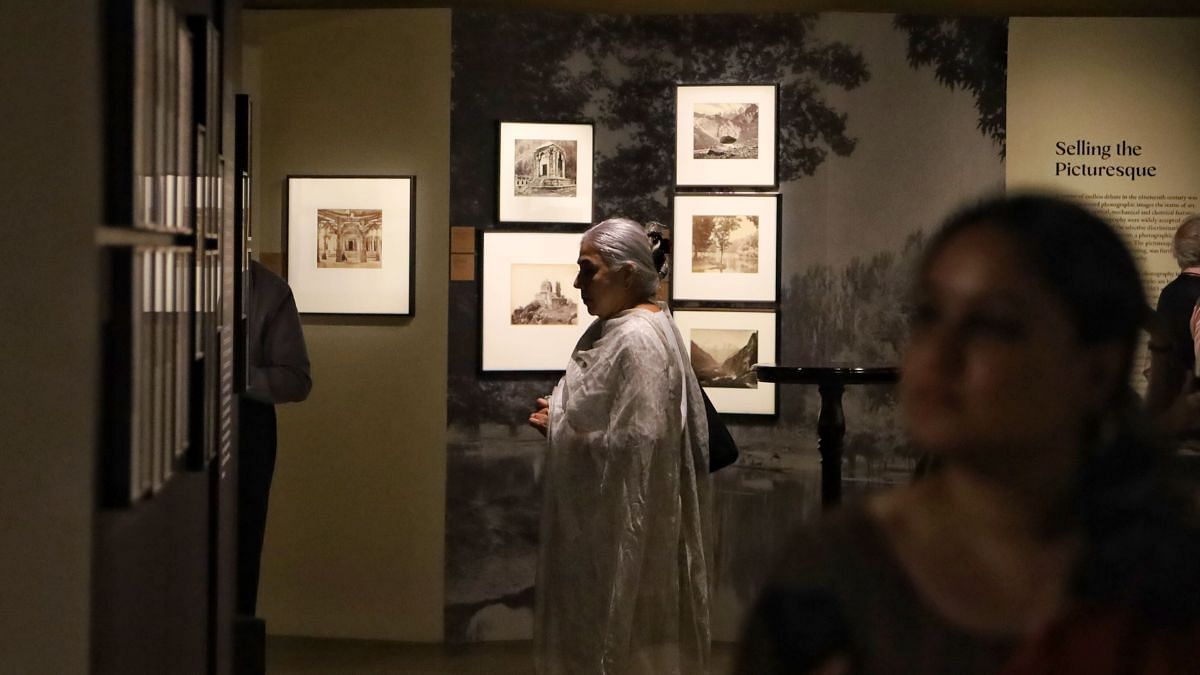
831	429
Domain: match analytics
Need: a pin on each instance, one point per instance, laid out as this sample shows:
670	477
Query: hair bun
660	247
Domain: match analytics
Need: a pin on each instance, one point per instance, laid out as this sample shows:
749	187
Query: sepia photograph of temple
725	131
350	238
538	298
545	168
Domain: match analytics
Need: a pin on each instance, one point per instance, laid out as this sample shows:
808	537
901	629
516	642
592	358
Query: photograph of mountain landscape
725	358
725	131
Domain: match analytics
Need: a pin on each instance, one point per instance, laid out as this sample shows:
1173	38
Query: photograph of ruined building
544	168
547	305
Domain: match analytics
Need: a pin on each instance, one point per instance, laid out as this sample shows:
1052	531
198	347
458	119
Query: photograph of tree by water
885	124
725	244
726	248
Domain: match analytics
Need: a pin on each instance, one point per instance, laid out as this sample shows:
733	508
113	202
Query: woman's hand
540	418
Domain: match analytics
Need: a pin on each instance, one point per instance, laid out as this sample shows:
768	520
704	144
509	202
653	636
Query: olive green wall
49	347
354	536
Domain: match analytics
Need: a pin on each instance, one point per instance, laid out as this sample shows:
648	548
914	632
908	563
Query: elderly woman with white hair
625	563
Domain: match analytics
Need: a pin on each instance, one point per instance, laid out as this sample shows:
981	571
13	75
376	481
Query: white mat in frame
753	221
730	161
323	288
512	261
517	204
724	337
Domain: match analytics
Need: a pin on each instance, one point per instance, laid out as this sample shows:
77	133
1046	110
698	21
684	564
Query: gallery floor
308	656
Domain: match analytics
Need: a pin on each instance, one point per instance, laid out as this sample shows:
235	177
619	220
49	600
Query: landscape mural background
886	124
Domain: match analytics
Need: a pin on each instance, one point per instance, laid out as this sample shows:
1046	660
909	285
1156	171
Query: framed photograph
532	314
545	173
725	135
726	248
725	346
350	244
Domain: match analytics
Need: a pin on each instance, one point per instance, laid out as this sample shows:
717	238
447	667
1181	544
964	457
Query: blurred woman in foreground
1050	540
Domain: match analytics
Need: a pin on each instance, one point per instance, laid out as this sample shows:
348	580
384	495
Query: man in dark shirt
278	373
1170	394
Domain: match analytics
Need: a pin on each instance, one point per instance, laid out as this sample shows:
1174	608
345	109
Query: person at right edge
278	373
1052	539
1172	398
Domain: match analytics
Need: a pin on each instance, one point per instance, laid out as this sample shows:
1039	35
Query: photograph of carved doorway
350	238
545	168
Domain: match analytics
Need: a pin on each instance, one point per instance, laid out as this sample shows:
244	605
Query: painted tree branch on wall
969	53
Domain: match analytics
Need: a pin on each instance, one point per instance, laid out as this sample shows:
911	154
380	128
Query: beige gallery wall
354	536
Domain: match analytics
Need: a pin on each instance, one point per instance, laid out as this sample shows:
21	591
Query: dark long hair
1141	542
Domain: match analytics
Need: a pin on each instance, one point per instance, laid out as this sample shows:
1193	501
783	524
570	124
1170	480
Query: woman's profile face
602	287
994	368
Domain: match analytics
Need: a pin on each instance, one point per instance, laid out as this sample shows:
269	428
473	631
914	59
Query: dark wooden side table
831	381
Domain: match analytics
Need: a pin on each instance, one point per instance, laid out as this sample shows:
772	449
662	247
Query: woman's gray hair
1186	245
622	242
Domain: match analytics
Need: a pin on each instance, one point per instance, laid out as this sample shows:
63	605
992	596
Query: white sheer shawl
625	562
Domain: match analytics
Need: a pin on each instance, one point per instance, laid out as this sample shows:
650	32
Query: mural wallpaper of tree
875	148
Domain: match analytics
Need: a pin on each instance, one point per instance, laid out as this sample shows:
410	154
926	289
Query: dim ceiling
949	7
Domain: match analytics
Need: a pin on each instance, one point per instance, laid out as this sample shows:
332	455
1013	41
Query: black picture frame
723	295
529	349
691	173
761	402
304	198
513	205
